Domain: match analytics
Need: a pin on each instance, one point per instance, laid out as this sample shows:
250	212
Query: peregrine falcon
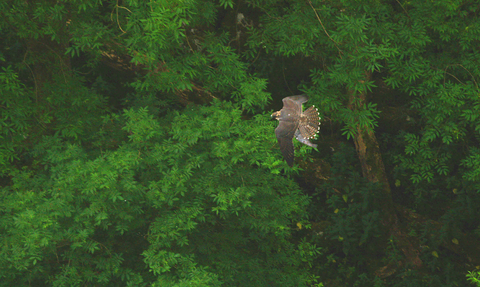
294	122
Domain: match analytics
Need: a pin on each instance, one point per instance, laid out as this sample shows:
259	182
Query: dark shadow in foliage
346	221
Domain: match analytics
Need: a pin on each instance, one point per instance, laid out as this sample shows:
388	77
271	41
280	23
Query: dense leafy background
136	147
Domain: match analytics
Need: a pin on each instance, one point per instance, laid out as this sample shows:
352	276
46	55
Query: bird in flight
295	123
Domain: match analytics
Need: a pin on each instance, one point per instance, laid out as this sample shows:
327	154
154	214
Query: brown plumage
294	122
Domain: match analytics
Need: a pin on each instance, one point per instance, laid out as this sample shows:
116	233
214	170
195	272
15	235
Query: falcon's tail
309	123
303	140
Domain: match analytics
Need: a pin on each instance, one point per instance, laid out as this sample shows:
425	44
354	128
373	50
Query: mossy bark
373	169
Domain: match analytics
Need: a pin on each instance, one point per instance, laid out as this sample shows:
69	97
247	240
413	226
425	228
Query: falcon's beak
275	115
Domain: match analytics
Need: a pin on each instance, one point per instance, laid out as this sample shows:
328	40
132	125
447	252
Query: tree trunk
373	169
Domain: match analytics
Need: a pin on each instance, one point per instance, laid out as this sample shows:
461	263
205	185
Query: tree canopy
136	146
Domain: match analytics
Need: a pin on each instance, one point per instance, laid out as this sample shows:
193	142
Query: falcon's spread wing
284	133
294	122
298	99
294	103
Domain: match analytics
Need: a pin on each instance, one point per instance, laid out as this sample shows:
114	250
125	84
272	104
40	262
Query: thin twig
473	78
460	65
325	30
403	8
34	78
118	22
254	60
61	60
453	77
284	78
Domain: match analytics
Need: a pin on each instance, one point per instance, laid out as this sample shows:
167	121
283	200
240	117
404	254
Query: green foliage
354	220
170	189
157	195
418	54
135	146
474	277
15	117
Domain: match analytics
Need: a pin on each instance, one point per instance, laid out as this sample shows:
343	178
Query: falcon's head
276	115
